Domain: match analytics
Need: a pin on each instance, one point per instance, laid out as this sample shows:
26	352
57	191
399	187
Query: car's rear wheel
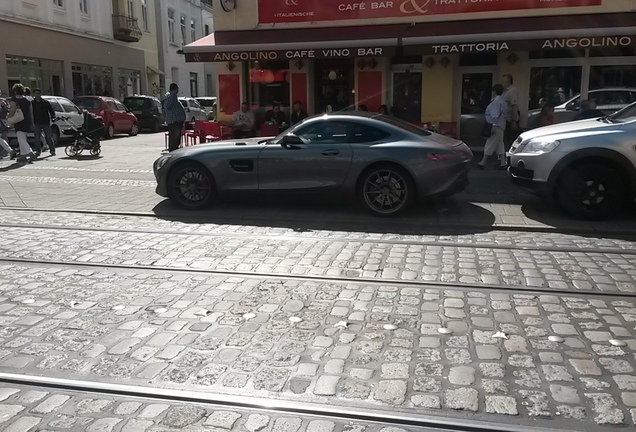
134	130
191	186
591	192
110	131
386	190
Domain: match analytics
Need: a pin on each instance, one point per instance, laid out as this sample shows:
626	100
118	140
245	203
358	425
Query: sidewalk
122	181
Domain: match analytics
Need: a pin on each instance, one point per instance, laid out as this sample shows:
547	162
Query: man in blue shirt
175	116
496	113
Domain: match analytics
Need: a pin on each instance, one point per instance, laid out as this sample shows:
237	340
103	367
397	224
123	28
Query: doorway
407	96
334	86
476	92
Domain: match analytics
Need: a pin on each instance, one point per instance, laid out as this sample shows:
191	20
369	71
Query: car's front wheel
386	190
191	186
591	192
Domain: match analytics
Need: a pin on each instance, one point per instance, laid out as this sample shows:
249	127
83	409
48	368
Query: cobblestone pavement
121	180
466	265
362	345
23	408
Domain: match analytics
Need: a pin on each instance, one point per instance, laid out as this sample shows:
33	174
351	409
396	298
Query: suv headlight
162	161
538	146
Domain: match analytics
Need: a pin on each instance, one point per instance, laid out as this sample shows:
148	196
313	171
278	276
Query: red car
117	118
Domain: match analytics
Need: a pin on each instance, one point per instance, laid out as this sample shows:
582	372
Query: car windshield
137	103
88	103
625	115
184	103
206	102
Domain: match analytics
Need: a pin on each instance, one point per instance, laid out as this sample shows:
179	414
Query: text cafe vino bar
428	61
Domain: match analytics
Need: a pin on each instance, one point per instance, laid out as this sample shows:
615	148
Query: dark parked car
148	110
117	118
384	162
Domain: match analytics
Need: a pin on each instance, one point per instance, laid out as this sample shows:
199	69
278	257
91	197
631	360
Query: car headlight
538	146
162	161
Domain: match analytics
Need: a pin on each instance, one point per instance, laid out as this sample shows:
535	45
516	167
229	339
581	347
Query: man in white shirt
243	122
511	96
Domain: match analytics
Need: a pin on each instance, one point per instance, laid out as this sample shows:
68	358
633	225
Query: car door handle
331	152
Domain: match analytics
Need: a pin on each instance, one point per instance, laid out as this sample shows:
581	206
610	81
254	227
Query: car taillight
444	156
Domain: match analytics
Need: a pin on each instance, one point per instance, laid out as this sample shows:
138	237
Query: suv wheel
591	192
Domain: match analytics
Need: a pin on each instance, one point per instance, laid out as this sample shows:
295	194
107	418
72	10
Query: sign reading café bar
280	11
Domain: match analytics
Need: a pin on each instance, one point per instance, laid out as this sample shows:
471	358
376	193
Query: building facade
81	47
430	61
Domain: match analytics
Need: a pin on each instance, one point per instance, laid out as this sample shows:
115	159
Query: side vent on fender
242	165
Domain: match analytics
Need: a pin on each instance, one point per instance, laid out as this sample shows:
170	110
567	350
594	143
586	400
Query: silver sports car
382	161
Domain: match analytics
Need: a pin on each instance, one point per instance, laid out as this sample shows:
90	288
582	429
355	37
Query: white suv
588	167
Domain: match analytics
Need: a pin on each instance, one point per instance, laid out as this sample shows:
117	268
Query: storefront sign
325	53
279	11
521	45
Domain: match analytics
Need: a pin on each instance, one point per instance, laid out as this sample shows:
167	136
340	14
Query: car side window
324	132
120	106
55	105
365	134
68	107
111	105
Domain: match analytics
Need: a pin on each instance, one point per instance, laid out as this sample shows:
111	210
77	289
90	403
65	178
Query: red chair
211	131
196	134
448	129
183	131
269	130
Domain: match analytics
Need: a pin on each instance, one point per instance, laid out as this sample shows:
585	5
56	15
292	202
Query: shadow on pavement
449	216
622	227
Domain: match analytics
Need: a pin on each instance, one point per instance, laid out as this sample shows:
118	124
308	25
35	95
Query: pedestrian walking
175	116
496	116
511	96
4	129
25	126
43	114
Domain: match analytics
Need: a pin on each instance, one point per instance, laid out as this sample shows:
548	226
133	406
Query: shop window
129	82
36	73
91	80
334	86
553	84
556	53
478	59
269	83
612	76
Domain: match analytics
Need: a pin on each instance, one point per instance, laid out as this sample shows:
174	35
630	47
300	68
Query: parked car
209	105
608	100
117	118
588	167
148	110
194	110
384	162
72	114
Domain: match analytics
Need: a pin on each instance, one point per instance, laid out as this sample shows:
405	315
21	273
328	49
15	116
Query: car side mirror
571	106
291	141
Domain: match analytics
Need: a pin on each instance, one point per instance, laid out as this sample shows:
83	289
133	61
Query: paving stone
586	367
604	407
326	385
501	405
391	392
462	375
222	419
50	404
426	401
565	394
466	399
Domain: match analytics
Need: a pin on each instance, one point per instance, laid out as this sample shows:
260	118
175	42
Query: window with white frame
170	25
183	30
83	7
144	14
193	30
58	3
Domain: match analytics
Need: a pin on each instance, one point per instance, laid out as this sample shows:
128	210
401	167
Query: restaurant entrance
334	86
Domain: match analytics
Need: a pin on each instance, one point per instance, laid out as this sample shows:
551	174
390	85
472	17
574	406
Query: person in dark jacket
43	114
25	126
298	114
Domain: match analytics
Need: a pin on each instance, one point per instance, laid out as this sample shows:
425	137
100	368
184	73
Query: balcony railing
125	28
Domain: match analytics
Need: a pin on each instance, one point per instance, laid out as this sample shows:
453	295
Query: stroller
85	138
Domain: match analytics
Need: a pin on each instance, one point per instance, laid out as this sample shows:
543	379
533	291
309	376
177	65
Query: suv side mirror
291	141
